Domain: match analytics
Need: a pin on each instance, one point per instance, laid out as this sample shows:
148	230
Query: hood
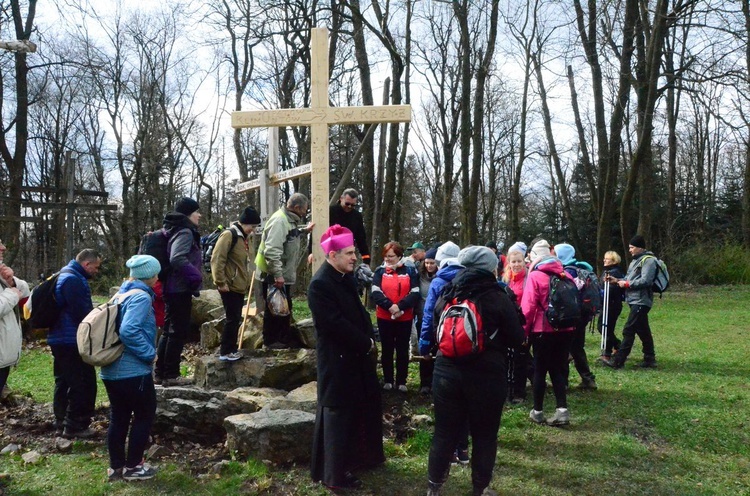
448	272
176	220
550	266
473	280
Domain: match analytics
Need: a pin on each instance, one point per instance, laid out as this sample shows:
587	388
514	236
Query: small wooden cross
318	117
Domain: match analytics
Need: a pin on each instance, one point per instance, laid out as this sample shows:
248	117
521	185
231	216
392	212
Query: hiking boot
86	433
433	488
462	456
560	418
388	386
484	492
402	388
647	364
140	472
231	357
605	358
177	381
276	346
114	474
425	391
517	400
613	363
537	416
588	383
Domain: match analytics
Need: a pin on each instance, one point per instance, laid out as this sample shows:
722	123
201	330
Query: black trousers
636	325
176	328
276	329
3	377
550	356
612	342
518	371
75	388
233	309
394	337
578	352
132	398
473	394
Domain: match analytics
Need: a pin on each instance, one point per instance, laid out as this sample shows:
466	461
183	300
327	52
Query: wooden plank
14	218
288	174
247	185
84	206
328	115
79	192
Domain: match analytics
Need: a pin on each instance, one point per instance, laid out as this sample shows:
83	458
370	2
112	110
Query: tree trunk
460	11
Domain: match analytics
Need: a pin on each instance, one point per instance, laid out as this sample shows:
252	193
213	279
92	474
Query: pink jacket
536	295
516	283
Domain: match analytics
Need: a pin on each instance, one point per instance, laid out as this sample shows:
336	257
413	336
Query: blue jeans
134	397
473	393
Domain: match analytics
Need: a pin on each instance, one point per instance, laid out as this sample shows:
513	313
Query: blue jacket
427	333
73	294
137	333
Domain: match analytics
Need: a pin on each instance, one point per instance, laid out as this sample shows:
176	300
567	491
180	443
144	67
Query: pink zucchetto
336	238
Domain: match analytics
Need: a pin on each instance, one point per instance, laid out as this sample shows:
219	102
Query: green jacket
282	246
231	267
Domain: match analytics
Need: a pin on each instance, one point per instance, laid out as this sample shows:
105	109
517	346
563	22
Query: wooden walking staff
318	117
250	311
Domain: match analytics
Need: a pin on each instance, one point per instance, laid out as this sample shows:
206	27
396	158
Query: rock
253	339
219	467
252	399
421	420
304	398
304	331
157	451
11	448
280	436
205	307
62	444
31	458
278	369
211	333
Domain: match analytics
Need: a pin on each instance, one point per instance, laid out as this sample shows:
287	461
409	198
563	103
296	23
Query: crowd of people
510	291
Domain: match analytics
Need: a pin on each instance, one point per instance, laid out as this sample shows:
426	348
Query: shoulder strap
121	296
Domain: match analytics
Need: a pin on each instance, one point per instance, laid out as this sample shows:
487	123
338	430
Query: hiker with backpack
231	275
588	285
514	275
639	294
184	280
395	291
12	291
129	380
476	325
548	332
612	307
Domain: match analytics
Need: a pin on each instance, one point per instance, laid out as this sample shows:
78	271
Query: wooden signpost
318	117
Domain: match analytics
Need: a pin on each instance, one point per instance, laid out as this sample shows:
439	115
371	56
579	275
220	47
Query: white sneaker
402	388
387	386
537	416
234	356
561	417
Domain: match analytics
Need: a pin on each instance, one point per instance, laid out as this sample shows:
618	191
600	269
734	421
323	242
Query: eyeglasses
350	204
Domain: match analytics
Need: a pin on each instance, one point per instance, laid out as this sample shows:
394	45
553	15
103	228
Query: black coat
346	370
355	223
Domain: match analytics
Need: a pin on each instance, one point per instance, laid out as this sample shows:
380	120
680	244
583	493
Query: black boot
649	362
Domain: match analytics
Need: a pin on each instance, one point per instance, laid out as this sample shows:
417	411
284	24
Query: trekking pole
605	314
241	334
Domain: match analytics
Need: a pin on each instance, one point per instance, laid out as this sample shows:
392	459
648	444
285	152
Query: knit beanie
565	252
250	216
431	254
143	266
449	249
479	257
186	206
638	241
336	238
539	249
519	246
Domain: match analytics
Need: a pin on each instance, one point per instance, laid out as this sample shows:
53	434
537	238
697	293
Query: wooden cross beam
318	117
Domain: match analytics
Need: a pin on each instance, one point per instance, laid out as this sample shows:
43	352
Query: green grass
681	429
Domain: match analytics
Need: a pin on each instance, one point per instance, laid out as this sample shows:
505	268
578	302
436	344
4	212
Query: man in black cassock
349	422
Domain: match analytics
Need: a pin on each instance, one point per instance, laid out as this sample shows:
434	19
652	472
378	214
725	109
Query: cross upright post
318	117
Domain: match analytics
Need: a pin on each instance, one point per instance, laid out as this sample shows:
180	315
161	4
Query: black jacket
346	369
497	311
354	222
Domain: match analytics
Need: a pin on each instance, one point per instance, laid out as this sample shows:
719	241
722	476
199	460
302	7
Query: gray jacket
640	277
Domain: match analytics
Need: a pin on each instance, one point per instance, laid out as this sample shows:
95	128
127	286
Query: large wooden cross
318	117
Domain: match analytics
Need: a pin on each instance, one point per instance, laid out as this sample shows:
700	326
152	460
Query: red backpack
460	332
